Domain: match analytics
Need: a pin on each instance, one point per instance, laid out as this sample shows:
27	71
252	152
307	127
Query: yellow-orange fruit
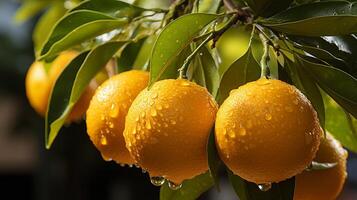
107	111
323	184
167	129
39	83
267	131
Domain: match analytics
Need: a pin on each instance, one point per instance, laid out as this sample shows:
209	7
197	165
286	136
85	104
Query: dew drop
296	102
154	96
166	106
264	187
130	165
106	158
137	119
143	171
114	111
122	165
268	116
134	131
231	134
148	124
185	83
143	114
174	186
102	117
103	140
173	122
242	131
111	125
159	107
157	180
153	112
289	109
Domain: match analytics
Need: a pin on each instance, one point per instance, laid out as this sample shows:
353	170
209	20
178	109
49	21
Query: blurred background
73	169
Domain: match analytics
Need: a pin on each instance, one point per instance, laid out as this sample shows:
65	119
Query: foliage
310	43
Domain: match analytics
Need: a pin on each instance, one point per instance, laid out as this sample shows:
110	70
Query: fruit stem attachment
187	61
265	58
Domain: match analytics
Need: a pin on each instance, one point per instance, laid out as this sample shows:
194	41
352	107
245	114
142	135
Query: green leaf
46	23
209	6
338	84
214	161
190	190
316	19
172	41
266	8
340	124
112	8
243	70
143	56
128	55
71	83
232	45
206	67
29	9
307	85
76	28
249	191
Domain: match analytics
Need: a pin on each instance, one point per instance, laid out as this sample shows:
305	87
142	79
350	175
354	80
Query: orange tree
220	45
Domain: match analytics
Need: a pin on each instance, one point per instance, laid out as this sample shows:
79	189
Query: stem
265	58
229	5
184	67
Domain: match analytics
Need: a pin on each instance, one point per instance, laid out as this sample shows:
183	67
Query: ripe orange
267	131
39	83
323	184
167	129
107	111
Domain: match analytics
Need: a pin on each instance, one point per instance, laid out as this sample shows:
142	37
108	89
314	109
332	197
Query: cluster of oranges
266	131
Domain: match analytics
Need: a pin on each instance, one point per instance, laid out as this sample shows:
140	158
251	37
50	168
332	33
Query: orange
39	83
107	111
323	184
267	131
167	129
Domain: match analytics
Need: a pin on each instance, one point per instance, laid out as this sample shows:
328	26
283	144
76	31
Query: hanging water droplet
268	116
264	187
157	180
174	186
106	158
143	171
122	165
130	165
103	140
136	165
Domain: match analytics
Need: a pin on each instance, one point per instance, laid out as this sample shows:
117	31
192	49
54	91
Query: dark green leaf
340	124
71	83
249	191
112	8
128	55
243	70
172	41
143	56
46	23
76	28
207	69
316	19
306	84
190	190
267	8
214	162
338	84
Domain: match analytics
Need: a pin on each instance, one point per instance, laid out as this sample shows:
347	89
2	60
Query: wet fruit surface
267	131
167	129
107	111
323	184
